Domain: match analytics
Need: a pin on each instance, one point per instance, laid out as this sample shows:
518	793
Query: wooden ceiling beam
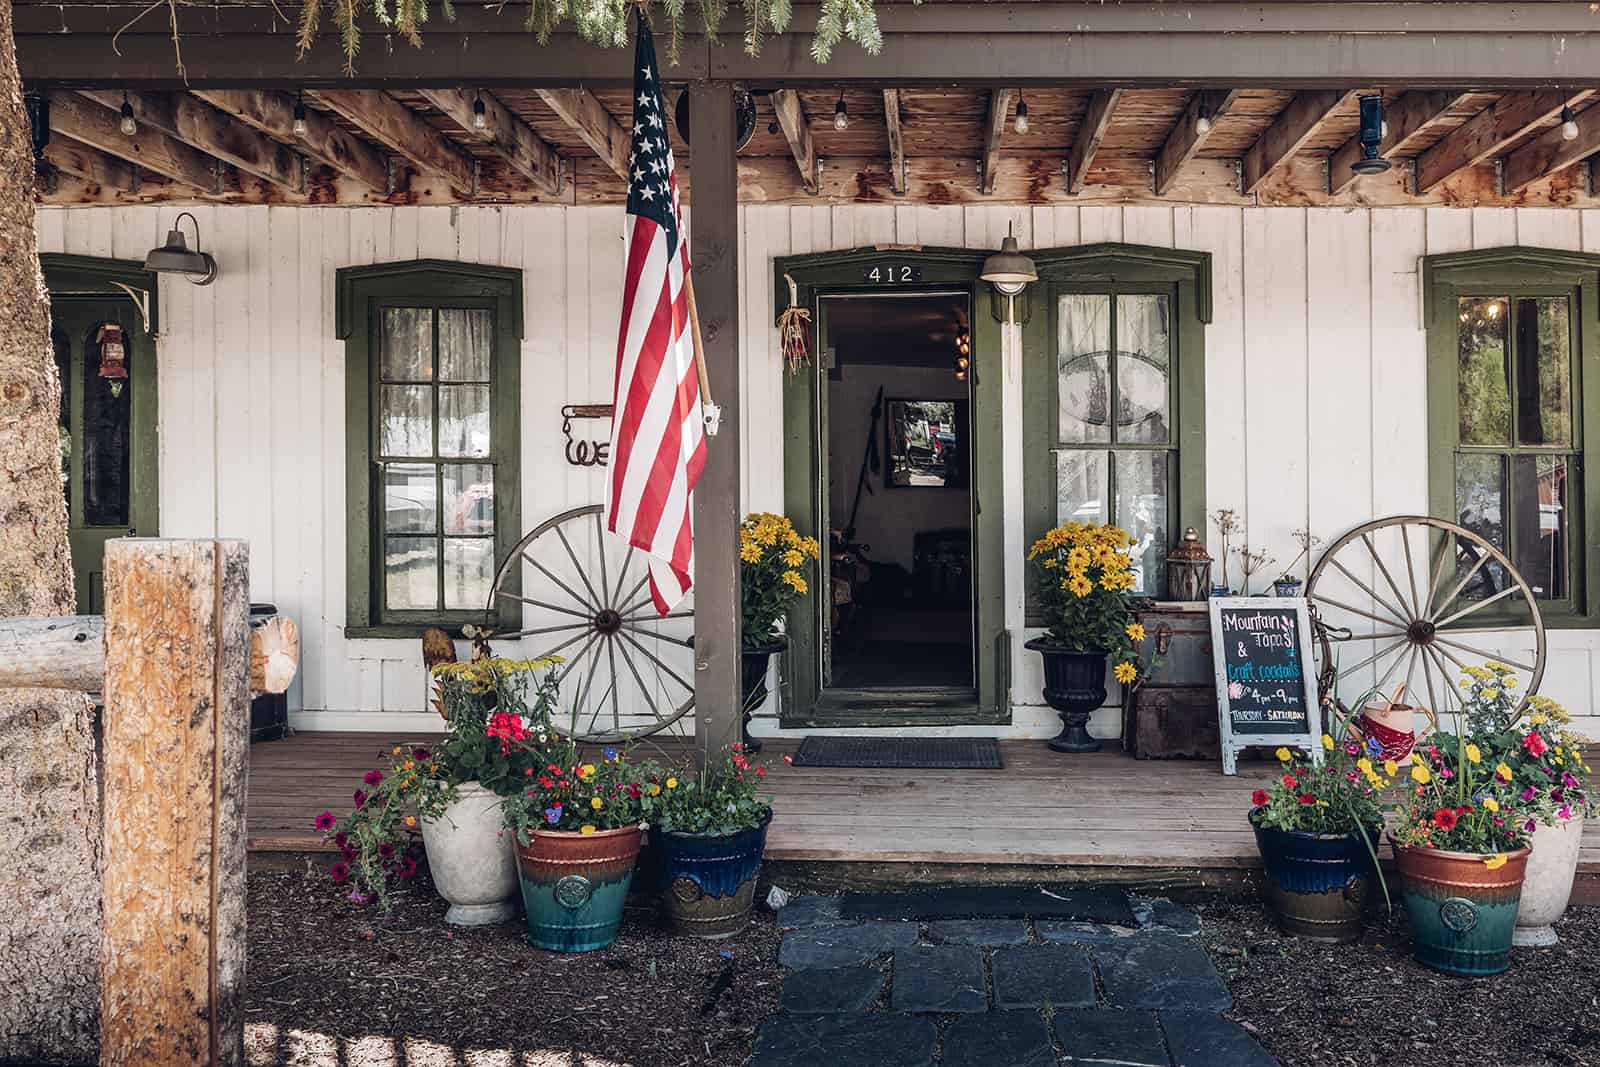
994	128
792	120
89	122
1294	126
1550	152
403	132
590	120
504	131
213	132
1091	131
91	164
1490	131
1187	136
1404	118
897	144
272	113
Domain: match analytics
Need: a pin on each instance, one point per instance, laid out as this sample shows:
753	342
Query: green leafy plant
775	564
722	799
1339	795
1083	575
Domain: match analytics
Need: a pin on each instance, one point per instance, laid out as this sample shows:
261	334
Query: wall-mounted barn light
174	257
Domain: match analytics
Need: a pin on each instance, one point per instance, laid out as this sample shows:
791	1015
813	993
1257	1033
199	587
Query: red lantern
113	356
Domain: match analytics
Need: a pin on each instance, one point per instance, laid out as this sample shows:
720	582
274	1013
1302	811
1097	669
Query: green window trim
362	294
1184	277
1517	272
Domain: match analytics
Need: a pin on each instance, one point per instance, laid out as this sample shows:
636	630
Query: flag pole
713	413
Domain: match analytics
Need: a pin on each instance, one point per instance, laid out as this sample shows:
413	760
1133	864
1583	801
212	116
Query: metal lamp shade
174	257
1008	269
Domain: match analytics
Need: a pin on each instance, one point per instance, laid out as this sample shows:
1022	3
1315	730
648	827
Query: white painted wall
1315	378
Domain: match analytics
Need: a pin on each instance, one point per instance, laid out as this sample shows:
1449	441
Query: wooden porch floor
1088	816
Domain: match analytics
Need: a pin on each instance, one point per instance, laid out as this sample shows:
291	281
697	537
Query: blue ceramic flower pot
707	882
1317	884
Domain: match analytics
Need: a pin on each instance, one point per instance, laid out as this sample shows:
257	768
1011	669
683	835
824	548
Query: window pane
1081	486
469	498
464	340
107	424
63	351
468	572
1142	512
1480	507
463	420
1544	371
410	498
1540	522
1485	403
411	573
407	420
407	345
1083	381
1143	362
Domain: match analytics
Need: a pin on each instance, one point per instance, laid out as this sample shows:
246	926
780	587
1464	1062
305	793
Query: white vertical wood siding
1315	378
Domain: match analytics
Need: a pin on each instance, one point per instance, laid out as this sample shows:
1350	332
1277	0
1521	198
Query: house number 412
891	273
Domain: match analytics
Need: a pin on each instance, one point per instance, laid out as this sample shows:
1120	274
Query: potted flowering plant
1549	778
1317	828
709	831
774	569
377	840
1083	575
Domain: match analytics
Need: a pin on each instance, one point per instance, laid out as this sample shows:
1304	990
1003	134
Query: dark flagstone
1084	933
1162	971
828	990
979	931
845	1041
841	946
1033	975
1160	915
808	911
939	978
1110	1035
1096	904
999	1039
1202	1039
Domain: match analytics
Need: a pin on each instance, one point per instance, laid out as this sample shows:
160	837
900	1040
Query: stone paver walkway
1001	977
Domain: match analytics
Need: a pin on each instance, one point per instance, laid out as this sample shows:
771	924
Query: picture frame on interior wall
926	444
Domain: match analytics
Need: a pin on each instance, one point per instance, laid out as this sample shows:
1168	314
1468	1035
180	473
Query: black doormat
901	753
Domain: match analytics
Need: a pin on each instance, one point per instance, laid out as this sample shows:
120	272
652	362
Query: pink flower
341	839
1564	814
1529	793
357	896
359	797
1530	826
1536	745
339	872
325	821
372	777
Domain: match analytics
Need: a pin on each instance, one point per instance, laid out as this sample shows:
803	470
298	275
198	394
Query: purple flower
1564	813
341	839
407	868
420	753
1555	795
1529	793
325	821
359	797
348	853
610	754
1569	781
339	872
1374	747
372	777
1530	826
385	850
357	896
552	815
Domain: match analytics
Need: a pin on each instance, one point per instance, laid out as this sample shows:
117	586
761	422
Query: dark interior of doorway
900	485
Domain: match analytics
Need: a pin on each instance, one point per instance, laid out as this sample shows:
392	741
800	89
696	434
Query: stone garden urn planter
471	859
753	683
1074	684
1548	885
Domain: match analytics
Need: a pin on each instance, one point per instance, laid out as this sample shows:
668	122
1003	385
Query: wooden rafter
1096	119
897	145
994	128
216	133
1550	152
792	120
1404	118
88	122
1294	126
1187	136
91	164
1490	131
403	132
273	114
590	120
505	132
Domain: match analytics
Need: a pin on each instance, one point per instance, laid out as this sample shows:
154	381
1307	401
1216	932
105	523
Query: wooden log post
177	731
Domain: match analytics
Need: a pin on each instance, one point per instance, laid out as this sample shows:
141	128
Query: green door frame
843	273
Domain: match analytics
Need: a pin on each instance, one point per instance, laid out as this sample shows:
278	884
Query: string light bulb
1202	123
128	126
841	114
299	116
480	119
1569	124
1021	124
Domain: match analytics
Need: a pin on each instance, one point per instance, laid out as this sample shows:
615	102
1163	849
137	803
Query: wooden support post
714	253
177	733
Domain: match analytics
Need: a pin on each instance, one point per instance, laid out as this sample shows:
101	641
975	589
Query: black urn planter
753	683
1074	684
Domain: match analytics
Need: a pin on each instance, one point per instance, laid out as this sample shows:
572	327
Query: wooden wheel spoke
1411	666
685	642
1427	676
1446	686
578	658
1323	598
653	658
616	710
541	630
1384	651
568	643
1477	605
637	604
1460	585
1480	652
600	547
657	618
585	615
1437	574
586	690
1396	616
583	574
1411	571
644	690
1400	598
565	588
1384	680
622	578
1373	636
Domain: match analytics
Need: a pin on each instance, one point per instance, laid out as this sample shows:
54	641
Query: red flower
506	726
634	791
325	821
788	759
1259	797
1444	819
1536	745
407	868
339	872
761	772
546	783
359	797
1307	798
1290	781
419	753
372	777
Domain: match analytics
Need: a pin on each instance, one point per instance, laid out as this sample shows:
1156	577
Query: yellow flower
586	771
1495	862
653	790
586	829
793	558
672	783
1491	805
1078	560
1364	765
1509	683
1327	742
1079	587
596	803
793	580
750	552
1490	694
1502	772
1135	632
1538	720
397	750
1421	775
1284	755
1125	672
1391	768
411	820
1474	753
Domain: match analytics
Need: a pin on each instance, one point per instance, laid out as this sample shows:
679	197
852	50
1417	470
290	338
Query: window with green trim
432	389
1507	334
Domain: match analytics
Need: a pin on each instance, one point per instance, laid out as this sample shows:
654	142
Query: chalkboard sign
1266	685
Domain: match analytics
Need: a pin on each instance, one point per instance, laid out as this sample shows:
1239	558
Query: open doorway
898	442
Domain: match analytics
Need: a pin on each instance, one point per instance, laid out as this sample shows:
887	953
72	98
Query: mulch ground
1357	1005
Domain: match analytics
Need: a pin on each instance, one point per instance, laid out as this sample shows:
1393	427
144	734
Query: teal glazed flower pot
707	882
574	886
1317	884
1462	913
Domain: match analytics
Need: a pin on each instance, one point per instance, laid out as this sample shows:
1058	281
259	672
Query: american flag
658	441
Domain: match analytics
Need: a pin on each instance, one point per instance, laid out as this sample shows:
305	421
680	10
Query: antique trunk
1172	713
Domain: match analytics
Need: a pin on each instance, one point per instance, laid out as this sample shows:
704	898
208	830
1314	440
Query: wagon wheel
626	672
1404	599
